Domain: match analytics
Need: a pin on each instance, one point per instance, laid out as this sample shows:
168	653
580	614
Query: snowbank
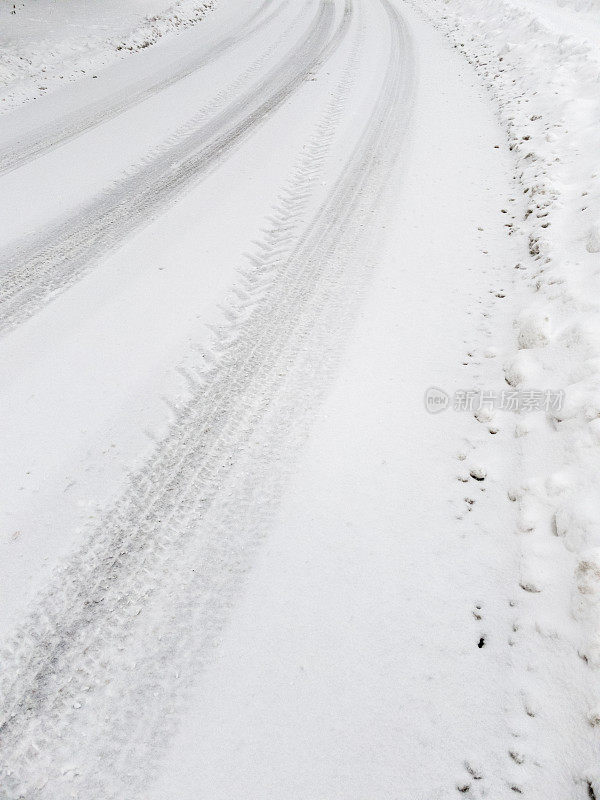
541	62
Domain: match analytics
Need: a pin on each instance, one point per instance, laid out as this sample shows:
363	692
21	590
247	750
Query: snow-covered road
238	557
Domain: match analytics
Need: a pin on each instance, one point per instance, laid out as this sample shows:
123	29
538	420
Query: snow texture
541	64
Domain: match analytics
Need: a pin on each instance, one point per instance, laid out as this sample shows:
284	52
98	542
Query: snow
540	62
97	417
240	557
351	666
44	43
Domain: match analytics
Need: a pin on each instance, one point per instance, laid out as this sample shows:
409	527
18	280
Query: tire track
48	137
172	553
36	272
270	254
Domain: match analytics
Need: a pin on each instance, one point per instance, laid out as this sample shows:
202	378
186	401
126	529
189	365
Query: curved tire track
35	272
47	137
138	560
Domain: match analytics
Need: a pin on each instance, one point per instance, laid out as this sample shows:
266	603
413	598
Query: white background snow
238	557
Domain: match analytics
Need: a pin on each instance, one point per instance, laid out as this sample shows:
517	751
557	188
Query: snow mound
540	62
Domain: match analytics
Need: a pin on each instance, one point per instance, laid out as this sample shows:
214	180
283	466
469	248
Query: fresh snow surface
239	557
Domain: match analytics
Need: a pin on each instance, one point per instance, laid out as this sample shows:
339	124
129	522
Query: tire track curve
47	137
34	272
153	586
